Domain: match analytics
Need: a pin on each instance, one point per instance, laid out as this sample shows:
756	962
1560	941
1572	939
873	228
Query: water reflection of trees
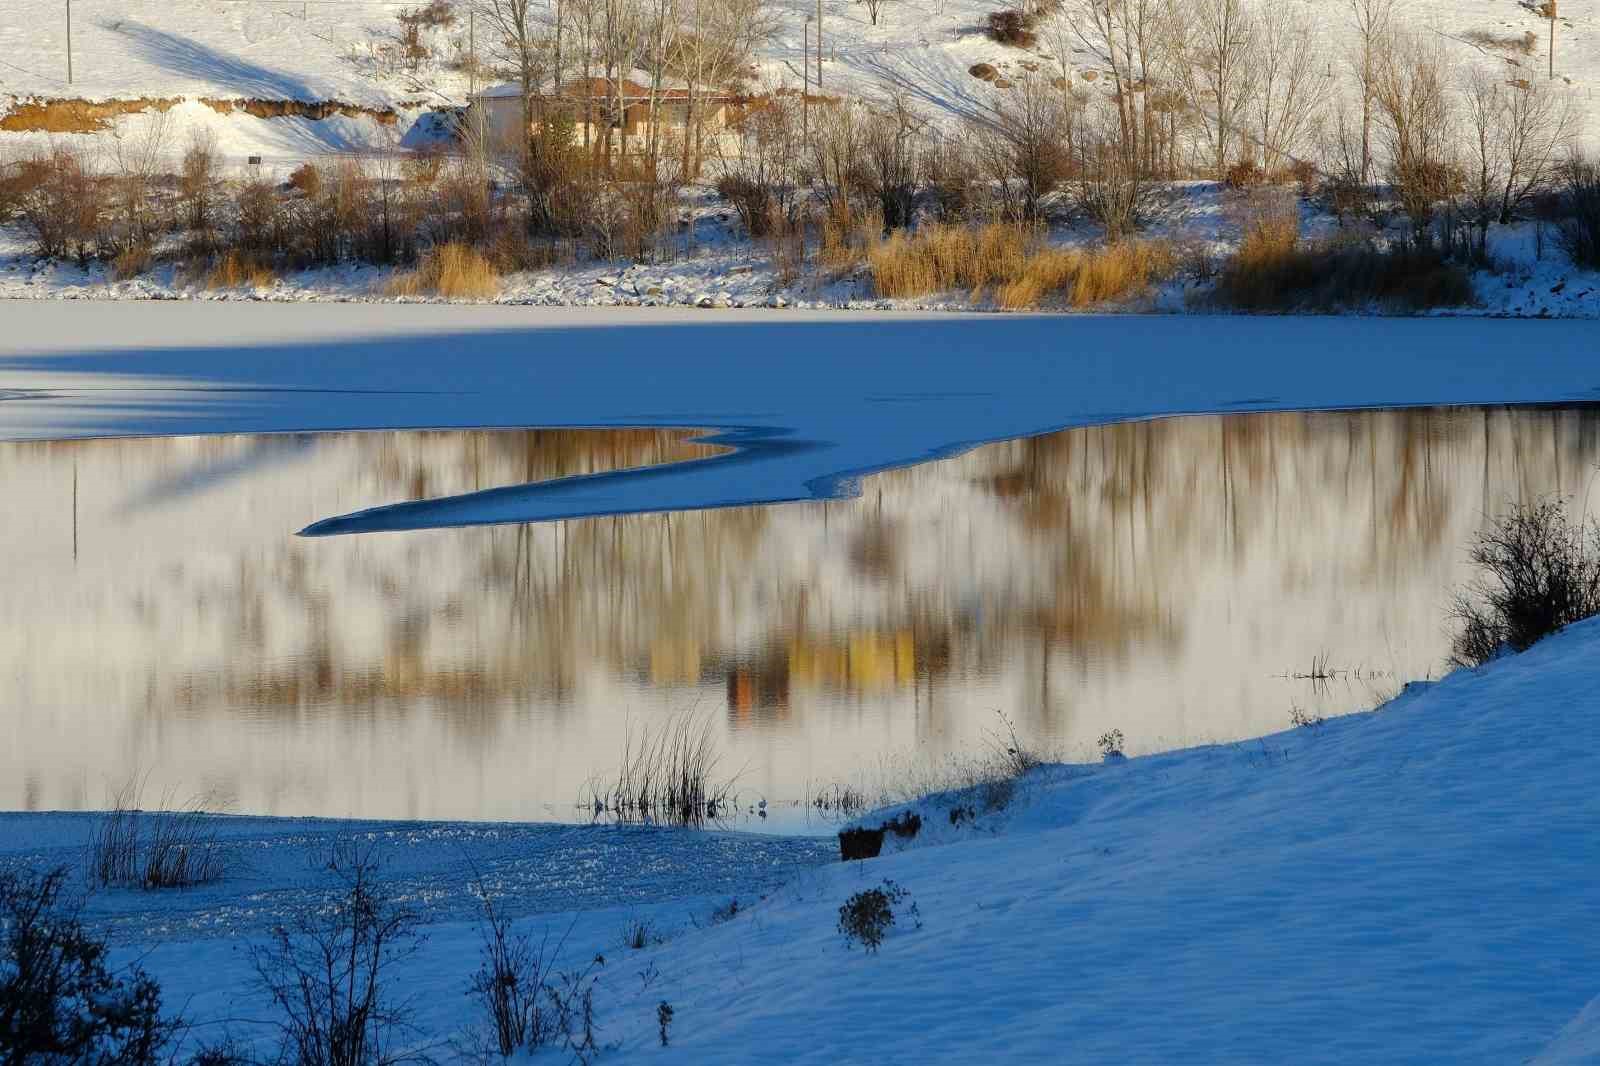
1151	565
1094	536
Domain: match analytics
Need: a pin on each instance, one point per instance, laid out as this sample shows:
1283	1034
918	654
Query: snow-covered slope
349	51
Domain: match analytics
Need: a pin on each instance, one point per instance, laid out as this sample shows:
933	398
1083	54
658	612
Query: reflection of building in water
1155	577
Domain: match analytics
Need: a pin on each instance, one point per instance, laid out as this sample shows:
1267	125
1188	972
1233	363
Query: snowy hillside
350	52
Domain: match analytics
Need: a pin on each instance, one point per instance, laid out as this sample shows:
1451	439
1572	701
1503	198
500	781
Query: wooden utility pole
69	41
819	47
1552	5
805	84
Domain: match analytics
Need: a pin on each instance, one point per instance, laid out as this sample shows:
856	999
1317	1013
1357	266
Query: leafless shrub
1110	188
554	176
1416	113
1580	231
329	974
1539	571
510	984
1516	136
951	177
891	160
761	181
667	774
198	182
58	200
1023	148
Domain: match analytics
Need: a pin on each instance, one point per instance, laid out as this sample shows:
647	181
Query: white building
622	122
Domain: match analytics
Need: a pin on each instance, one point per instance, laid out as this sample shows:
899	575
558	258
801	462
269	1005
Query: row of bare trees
559	54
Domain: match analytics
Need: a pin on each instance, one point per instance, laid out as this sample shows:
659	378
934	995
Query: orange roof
606	89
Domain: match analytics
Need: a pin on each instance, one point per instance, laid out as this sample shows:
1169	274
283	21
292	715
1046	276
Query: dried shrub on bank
236	270
1085	277
1275	270
452	271
1013	27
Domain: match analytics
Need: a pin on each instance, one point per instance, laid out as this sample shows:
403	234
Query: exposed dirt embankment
93	116
316	109
75	116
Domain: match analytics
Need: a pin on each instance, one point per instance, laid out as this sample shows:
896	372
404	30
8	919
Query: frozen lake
457	645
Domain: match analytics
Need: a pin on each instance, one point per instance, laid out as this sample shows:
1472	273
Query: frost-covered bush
60	1001
865	917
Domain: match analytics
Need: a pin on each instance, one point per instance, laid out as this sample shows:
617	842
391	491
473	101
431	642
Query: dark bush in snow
60	1002
1580	234
865	917
1538	571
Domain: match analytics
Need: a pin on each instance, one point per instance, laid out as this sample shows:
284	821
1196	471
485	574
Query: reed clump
1014	262
669	774
454	271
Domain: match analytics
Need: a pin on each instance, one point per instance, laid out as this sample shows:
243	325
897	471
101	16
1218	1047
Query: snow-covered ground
348	51
1412	885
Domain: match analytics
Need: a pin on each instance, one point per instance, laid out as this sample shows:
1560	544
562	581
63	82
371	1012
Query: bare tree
1108	188
138	157
1372	21
1132	38
873	7
834	156
1021	146
1293	84
1415	113
762	179
891	159
517	44
1516	135
715	48
1219	41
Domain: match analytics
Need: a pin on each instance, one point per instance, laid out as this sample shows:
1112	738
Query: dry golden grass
240	269
131	262
454	271
945	258
1014	261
